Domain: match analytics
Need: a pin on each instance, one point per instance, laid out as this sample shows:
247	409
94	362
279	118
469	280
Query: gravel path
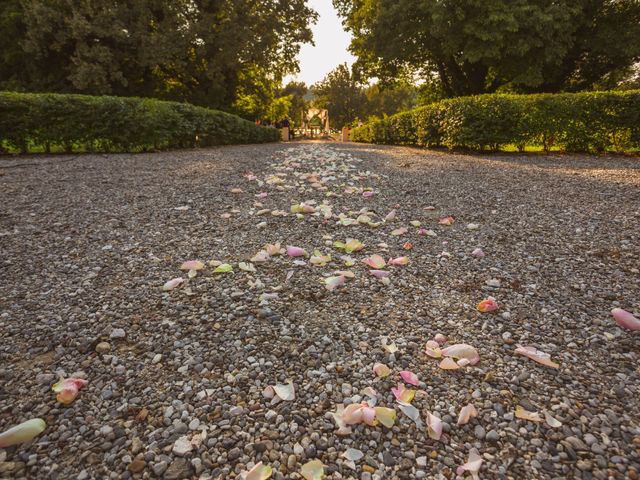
177	379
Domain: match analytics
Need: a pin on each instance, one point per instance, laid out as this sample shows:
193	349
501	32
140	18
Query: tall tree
477	46
194	50
298	92
340	93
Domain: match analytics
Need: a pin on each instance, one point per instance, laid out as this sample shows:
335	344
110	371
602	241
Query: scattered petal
390	216
537	356
551	421
448	364
488	305
434	426
462	350
313	470
381	370
247	267
224	268
319	259
410	377
23	432
391	347
407	245
433	349
466	413
472	226
296	251
332	283
369	415
67	389
526	415
192	265
478	253
375	261
412	412
441	339
474	462
415	223
286	392
353	245
260	257
173	283
367	194
379	273
236	190
353	454
625	319
399	231
386	416
446	221
273	249
353	413
259	472
403	394
398	261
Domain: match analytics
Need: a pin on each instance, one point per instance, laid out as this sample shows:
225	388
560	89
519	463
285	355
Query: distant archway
316	120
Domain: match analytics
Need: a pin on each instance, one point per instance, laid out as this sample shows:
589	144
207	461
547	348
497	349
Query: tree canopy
478	46
216	53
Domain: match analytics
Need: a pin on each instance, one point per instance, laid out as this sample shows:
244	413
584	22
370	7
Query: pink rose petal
381	370
434	426
441	339
537	356
296	251
67	389
625	319
173	283
374	261
399	261
334	282
403	394
462	350
478	253
379	273
448	364
390	216
466	413
474	462
409	377
488	305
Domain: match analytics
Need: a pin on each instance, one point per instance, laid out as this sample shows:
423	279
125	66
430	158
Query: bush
31	121
577	122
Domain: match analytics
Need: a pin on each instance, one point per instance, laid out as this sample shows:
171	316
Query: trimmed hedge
576	122
126	124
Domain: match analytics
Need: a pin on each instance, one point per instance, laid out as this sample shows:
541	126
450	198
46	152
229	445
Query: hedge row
31	121
578	122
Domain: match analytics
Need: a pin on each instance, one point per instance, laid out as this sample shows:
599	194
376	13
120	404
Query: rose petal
389	347
379	273
68	389
353	245
434	426
399	231
296	251
192	265
415	223
173	283
224	268
551	421
409	377
286	391
353	454
403	394
446	221
466	413
23	432
462	350
433	350
407	245
526	415
386	416
390	216
473	465
353	413
374	261
260	257
441	339
247	267
259	472
478	253
448	364
313	470
412	412
367	194
625	319
273	249
487	305
369	416
399	261
381	370
537	356
332	283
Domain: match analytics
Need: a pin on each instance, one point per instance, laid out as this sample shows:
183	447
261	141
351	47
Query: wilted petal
23	432
370	392
353	454
319	259
433	349
448	364
466	413
367	194
67	389
332	283
389	347
487	305
474	462
412	412
478	253
274	249
247	267
259	472
415	223
386	416
375	261
390	216
381	370
260	257
434	426
537	356
224	268
409	377
403	394
399	231
348	261
379	273
353	413
526	415
353	245
551	421
462	350
625	319
345	273
399	261
407	245
192	265
313	470
173	283
296	251
286	392
441	339
446	221
369	416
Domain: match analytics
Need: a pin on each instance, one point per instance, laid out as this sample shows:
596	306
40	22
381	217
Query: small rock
117	333
103	347
182	446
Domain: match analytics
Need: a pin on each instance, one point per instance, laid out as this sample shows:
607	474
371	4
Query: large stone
179	469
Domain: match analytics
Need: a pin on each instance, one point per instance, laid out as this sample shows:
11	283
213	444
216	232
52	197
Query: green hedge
33	121
577	122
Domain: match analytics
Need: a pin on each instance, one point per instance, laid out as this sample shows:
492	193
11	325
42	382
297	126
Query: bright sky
330	50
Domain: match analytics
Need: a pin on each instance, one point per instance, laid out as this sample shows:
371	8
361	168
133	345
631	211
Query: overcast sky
330	49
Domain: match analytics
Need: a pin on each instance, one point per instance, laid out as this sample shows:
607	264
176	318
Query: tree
385	100
201	51
478	46
339	93
297	91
